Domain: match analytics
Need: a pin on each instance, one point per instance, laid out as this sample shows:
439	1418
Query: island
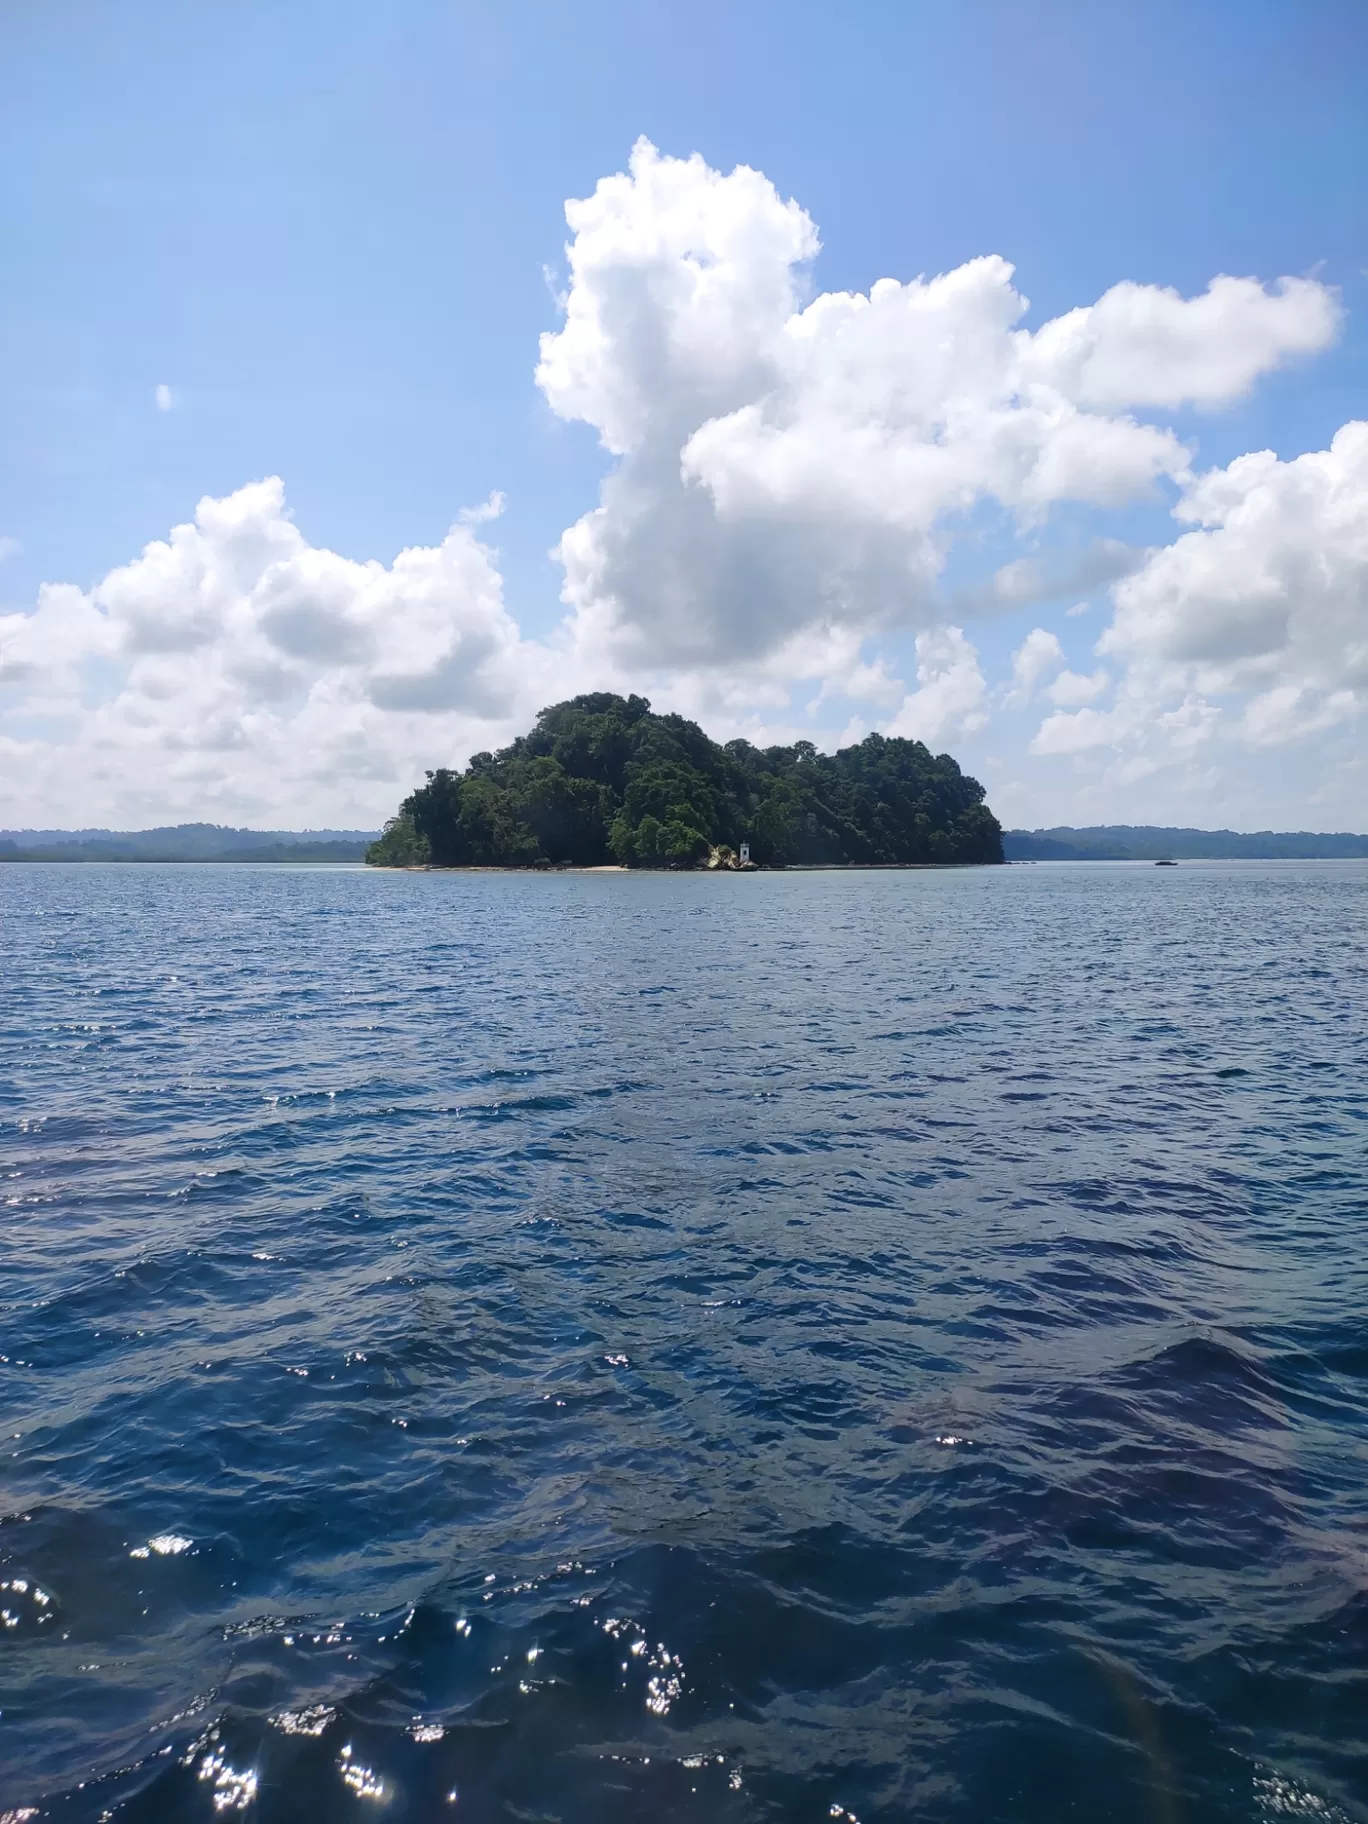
602	780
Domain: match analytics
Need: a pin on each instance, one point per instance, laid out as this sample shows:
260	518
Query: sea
597	1347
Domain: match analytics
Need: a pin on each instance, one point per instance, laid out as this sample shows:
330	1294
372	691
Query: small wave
600	1375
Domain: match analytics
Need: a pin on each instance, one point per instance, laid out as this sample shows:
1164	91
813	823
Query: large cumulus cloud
787	466
790	474
234	669
1254	624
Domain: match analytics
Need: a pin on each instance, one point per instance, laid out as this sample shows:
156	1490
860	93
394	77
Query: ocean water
596	1348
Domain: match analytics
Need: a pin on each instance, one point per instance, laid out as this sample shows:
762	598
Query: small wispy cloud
163	396
1053	576
9	547
555	285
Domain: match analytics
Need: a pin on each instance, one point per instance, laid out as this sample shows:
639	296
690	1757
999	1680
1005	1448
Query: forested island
602	779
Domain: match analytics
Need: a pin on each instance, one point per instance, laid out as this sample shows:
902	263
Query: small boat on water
1166	864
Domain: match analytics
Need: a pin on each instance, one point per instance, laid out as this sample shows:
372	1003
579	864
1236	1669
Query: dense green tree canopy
602	779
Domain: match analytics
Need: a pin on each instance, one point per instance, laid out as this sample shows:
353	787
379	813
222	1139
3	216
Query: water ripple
623	1348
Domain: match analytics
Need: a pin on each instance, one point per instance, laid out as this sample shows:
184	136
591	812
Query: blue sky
335	233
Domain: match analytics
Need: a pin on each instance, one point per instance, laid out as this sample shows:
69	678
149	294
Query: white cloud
951	690
487	511
786	467
9	547
236	670
1071	688
790	473
1249	631
1074	734
1146	345
1291	712
1136	724
1243	649
1038	578
1271	589
1040	652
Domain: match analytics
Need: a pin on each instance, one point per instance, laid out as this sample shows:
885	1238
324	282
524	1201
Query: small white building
745	853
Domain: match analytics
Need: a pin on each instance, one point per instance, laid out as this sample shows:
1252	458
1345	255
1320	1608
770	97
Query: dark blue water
599	1348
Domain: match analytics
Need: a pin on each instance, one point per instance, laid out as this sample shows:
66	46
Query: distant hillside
602	779
1152	842
184	842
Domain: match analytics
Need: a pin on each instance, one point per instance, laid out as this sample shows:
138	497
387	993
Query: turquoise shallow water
874	1346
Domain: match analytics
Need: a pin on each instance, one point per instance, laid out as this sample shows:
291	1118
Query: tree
678	845
400	845
602	776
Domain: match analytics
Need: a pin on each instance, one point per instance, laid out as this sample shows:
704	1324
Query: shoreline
613	867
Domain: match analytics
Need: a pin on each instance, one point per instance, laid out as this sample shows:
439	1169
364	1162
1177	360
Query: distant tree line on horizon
1152	842
603	779
185	842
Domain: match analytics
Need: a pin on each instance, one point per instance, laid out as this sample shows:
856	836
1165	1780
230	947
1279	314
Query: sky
992	374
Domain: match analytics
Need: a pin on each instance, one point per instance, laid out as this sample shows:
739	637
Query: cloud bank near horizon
792	477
